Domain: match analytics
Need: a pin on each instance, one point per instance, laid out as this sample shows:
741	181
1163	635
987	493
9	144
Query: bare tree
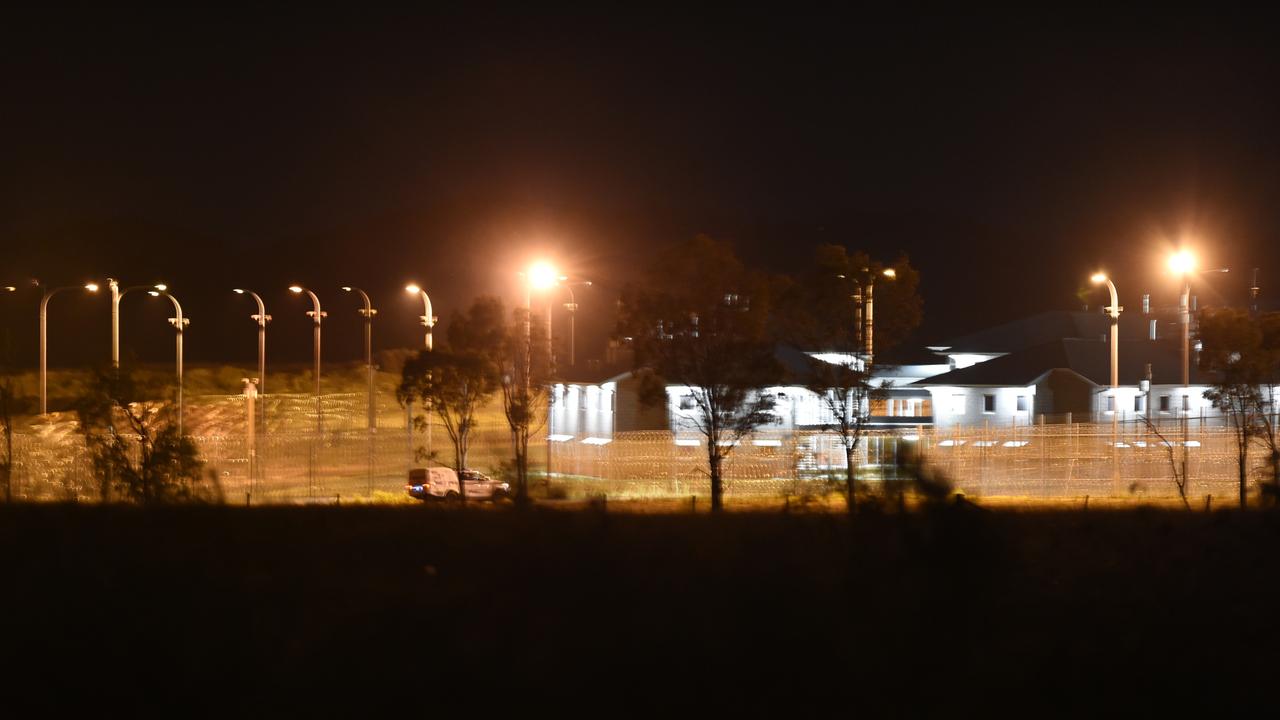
525	368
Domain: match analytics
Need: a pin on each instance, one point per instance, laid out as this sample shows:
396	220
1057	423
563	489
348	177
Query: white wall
583	410
963	406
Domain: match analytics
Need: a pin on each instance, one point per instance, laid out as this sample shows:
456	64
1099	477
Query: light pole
316	314
865	310
889	273
368	312
428	322
572	307
261	318
1113	312
179	323
44	340
1183	263
540	276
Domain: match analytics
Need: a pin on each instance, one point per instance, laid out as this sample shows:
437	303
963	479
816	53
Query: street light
572	307
316	314
261	318
1183	263
428	320
179	323
866	320
116	295
1114	313
44	340
368	312
541	276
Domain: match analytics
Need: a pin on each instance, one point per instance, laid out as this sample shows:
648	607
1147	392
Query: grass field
951	610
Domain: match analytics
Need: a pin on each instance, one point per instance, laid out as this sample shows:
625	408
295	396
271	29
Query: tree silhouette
138	454
699	322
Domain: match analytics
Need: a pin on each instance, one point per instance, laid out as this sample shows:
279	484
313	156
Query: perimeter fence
290	461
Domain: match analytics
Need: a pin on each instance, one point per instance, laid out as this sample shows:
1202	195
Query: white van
441	483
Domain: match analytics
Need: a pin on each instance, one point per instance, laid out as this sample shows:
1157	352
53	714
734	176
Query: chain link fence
304	455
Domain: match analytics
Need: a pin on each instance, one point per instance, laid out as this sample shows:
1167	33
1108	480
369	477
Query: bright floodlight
161	287
91	287
1182	262
295	289
153	293
411	288
238	291
542	275
890	273
346	289
1098	278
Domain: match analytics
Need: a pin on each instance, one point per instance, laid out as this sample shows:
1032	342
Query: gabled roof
1045	327
1090	359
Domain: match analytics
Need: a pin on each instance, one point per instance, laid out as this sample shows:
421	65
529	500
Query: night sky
1009	156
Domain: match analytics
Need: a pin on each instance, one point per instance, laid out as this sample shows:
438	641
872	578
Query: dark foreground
296	610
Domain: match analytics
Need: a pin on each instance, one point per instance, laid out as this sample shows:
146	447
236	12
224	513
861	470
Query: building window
1111	403
988	403
1137	403
687	402
1186	403
957	404
1023	405
1164	403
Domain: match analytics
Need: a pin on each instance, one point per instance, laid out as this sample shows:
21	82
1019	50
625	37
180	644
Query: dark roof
1089	358
795	366
591	373
1045	327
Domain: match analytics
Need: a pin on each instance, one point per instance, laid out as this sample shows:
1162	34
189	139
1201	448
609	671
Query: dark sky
1009	155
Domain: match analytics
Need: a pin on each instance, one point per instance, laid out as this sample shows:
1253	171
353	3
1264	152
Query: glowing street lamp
179	323
1114	313
428	320
116	295
540	276
316	314
869	288
44	340
1183	263
261	318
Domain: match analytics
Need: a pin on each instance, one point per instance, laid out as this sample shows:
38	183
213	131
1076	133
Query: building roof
1042	328
1090	359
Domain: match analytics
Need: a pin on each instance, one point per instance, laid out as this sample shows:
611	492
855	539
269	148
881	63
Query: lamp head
91	287
238	291
1182	262
153	293
412	289
890	273
295	289
542	275
346	288
161	287
10	288
1098	278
